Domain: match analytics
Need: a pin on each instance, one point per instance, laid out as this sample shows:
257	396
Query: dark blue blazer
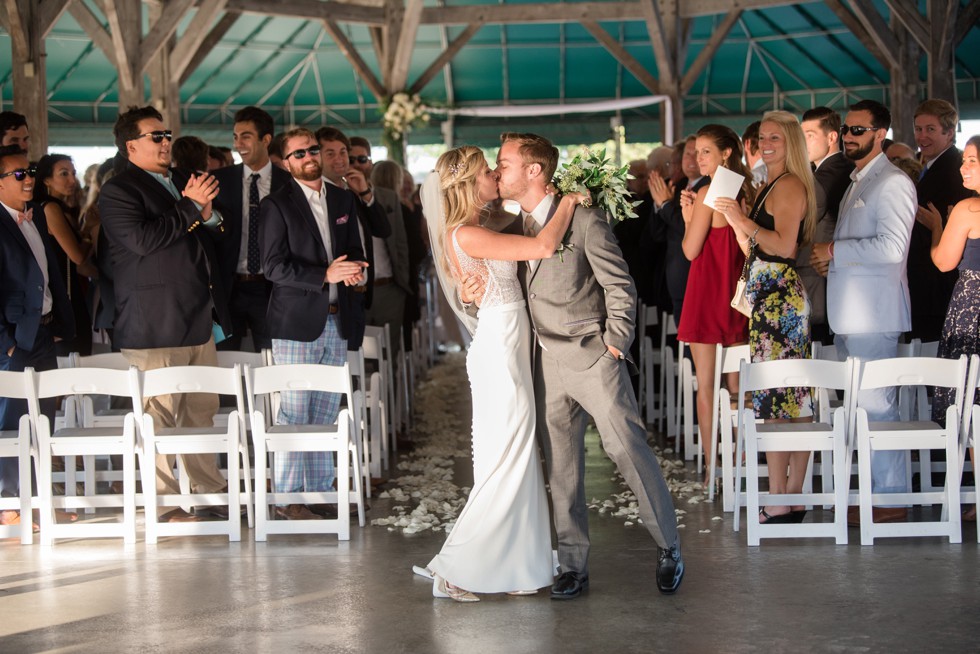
22	287
162	260
294	259
229	202
670	219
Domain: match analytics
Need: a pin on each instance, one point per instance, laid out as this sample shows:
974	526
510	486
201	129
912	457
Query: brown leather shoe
12	519
878	514
296	512
180	515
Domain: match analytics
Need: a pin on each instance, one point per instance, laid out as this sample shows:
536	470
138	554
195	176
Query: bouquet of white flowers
591	174
404	112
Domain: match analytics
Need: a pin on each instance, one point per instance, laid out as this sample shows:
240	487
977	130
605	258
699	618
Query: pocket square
858	204
342	220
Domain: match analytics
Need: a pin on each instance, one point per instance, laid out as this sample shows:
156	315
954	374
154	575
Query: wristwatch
367	191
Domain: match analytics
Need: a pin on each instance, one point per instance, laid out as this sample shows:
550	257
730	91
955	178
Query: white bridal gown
502	538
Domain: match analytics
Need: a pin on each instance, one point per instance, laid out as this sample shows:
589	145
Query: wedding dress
501	541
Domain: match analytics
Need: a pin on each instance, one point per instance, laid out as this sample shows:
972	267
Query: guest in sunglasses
159	225
54	191
34	306
867	288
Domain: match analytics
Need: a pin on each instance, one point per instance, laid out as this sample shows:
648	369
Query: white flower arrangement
591	174
404	112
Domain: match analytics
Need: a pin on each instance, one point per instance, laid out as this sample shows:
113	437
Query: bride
501	541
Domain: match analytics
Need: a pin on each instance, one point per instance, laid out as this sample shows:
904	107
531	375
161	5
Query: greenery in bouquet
590	173
402	113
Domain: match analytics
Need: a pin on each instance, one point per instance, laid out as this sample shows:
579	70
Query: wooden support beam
709	50
857	28
356	61
968	19
659	28
214	36
406	44
93	28
341	12
126	29
878	30
940	80
18	29
49	12
443	59
907	13
162	29
625	59
194	38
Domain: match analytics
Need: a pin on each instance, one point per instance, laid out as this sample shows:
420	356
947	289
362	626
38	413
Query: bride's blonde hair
458	171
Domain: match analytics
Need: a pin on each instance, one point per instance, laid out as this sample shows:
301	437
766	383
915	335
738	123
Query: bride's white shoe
443	589
422	572
522	593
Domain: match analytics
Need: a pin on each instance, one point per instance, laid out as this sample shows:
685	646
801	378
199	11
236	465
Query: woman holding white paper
782	219
716	263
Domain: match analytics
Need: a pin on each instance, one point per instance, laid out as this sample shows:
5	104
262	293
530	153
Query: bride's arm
482	243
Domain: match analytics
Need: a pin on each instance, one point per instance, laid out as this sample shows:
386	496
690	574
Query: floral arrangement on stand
590	173
402	112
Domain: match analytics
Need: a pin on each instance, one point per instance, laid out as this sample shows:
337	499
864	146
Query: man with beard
867	288
312	254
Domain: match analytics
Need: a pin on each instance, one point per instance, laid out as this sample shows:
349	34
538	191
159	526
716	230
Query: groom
582	306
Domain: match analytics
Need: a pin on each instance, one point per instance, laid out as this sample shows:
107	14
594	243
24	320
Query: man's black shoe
569	585
670	570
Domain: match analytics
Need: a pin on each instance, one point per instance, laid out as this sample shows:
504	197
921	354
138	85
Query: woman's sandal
443	589
781	519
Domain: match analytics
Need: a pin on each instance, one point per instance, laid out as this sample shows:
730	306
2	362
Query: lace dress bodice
499	278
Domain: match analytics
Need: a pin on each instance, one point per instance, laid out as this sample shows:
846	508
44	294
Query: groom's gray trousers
565	400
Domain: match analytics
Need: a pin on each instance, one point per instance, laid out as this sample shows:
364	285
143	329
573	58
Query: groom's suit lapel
533	270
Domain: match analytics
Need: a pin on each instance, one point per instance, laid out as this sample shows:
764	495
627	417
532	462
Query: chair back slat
299	377
812	373
83	381
111	360
914	371
15	385
191	379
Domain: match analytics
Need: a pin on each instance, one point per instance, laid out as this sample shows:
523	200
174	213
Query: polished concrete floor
315	594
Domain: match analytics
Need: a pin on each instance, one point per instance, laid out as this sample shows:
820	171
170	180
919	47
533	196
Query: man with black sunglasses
159	225
34	305
867	288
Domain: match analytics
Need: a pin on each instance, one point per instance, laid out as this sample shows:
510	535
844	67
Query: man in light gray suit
867	286
582	305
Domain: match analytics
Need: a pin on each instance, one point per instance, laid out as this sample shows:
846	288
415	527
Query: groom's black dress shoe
569	585
670	569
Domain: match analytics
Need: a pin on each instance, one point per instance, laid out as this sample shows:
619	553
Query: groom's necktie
530	226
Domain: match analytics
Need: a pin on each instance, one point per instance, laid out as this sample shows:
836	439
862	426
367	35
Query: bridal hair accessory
591	174
454	169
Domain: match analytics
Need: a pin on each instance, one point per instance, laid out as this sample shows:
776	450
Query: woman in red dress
716	263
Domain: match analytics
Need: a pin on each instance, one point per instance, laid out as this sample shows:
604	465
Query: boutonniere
342	220
564	246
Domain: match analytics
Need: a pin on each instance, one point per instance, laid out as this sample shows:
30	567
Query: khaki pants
184	410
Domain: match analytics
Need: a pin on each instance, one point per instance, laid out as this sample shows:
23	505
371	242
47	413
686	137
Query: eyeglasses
157	136
21	173
361	159
301	153
856	130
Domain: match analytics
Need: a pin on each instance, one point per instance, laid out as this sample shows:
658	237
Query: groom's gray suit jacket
583	299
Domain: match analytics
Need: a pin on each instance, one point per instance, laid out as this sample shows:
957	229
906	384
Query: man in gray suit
867	285
582	305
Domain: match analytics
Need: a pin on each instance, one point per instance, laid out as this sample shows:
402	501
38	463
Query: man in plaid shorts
313	255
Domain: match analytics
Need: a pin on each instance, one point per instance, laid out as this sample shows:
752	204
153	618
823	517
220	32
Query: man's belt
381	281
248	277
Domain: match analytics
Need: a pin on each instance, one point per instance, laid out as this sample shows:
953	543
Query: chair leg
261	490
26	516
842	475
864	488
129	493
953	488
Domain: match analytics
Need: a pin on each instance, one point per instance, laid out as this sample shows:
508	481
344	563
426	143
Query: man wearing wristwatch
372	221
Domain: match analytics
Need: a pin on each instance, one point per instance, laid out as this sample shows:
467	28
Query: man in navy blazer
241	188
159	225
34	305
312	254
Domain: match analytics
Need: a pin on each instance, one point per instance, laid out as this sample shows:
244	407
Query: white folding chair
668	375
269	437
969	425
795	437
361	434
377	396
85	441
727	360
911	435
229	359
190	440
687	386
646	317
17	444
